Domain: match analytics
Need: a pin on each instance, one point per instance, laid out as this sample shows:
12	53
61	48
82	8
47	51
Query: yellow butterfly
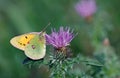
33	44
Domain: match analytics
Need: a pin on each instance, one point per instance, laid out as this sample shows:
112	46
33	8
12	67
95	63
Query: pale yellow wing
21	41
36	49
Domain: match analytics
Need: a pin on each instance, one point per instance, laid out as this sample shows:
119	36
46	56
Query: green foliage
22	16
62	67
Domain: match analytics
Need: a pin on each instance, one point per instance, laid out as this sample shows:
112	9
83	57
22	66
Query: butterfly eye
41	37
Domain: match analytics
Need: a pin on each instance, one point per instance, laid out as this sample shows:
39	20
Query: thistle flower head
86	7
60	39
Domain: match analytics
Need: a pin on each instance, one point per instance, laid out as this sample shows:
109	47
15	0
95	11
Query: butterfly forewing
21	41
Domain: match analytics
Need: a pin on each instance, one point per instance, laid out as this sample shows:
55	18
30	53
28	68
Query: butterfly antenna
46	27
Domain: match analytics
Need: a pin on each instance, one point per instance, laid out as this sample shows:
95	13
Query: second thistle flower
86	8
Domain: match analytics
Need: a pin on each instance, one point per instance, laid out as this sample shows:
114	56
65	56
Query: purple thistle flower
60	39
86	8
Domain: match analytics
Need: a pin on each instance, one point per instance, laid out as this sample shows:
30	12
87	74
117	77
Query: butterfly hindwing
36	48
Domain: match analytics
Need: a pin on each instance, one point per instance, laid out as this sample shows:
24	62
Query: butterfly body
33	44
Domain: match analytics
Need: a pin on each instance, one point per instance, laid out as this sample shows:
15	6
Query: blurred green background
23	16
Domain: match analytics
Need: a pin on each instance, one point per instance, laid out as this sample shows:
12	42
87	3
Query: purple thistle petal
61	38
